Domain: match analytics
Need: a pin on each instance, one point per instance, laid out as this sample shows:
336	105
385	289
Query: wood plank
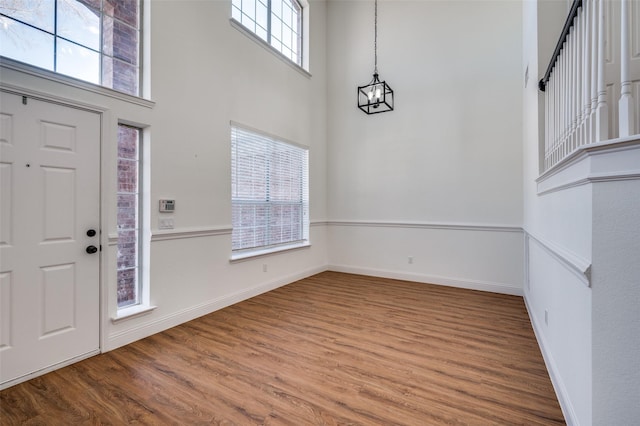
330	349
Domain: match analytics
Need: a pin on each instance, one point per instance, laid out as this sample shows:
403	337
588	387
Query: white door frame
103	240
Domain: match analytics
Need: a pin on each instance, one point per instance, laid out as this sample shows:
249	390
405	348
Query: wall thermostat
167	206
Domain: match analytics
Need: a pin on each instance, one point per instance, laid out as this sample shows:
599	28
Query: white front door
49	235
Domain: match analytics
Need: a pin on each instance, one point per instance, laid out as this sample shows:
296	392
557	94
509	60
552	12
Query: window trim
144	228
33	70
239	256
303	68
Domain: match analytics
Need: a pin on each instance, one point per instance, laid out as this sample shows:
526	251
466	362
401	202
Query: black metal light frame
376	96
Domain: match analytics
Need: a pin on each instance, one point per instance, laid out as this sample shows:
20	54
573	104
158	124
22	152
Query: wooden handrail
542	84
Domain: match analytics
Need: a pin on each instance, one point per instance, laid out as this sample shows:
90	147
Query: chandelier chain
375	38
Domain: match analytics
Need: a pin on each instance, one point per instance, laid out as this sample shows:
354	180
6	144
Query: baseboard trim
431	279
556	380
157	325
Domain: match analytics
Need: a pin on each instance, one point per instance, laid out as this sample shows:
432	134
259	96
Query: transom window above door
93	40
277	22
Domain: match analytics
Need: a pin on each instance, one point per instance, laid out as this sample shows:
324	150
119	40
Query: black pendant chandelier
377	96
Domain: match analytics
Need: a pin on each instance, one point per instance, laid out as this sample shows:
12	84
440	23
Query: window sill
132	312
73	82
244	30
238	257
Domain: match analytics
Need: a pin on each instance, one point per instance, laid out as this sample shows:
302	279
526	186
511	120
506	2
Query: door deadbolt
91	233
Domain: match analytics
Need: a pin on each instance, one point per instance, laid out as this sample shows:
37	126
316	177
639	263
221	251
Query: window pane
107	35
128	142
125	43
26	44
248	22
77	61
261	15
249	8
107	71
276	7
128	220
235	12
38	13
123	10
127	287
127	175
262	33
78	23
276	28
127	249
286	36
286	14
127	209
125	77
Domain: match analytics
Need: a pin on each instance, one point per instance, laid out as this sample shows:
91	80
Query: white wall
205	73
559	224
450	154
616	302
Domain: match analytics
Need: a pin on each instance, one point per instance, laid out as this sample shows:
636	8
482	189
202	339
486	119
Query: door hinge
24	100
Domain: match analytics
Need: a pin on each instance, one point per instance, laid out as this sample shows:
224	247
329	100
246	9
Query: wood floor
330	349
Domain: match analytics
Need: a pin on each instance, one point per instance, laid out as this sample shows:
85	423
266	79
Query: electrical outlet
410	260
546	316
264	267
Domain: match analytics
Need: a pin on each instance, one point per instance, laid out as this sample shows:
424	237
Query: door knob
91	233
92	249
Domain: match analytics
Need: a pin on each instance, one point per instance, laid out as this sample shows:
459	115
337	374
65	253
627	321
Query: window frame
304	241
143	304
303	36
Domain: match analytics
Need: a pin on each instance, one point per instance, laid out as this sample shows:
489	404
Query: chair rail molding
427	225
576	264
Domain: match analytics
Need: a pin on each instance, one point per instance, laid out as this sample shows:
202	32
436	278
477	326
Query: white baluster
556	118
547	127
577	87
586	76
602	111
554	103
594	70
570	92
625	105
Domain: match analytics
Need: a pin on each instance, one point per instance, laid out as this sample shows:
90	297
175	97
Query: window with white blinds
269	192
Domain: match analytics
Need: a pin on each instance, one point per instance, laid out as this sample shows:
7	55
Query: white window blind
269	191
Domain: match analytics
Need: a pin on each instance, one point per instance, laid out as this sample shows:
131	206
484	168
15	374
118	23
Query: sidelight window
129	220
